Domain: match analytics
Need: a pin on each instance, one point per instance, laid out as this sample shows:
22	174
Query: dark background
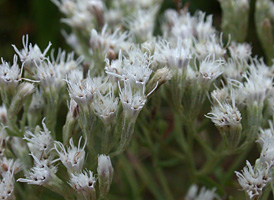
41	20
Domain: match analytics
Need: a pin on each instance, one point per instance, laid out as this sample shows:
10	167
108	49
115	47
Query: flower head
203	194
42	172
73	158
30	54
132	100
105	106
10	75
40	142
253	180
83	183
7	186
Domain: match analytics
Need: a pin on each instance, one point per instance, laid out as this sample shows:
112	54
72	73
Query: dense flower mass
152	103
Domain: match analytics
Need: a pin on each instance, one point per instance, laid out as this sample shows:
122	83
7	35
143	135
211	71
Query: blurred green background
41	20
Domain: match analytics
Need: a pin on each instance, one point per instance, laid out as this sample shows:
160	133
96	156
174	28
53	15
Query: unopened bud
160	77
105	173
24	90
3	114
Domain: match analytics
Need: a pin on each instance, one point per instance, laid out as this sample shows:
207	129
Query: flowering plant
146	115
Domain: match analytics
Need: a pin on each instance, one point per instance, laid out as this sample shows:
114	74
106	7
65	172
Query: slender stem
158	169
106	139
236	163
182	142
146	177
129	172
127	133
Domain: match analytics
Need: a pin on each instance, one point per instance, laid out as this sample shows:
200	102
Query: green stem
182	142
126	166
236	163
106	139
127	133
158	169
146	177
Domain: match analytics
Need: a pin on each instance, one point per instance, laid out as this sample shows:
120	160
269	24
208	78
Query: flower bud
160	77
24	90
3	114
105	173
233	10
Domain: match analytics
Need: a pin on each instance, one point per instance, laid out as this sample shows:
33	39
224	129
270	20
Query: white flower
70	7
66	6
219	95
76	87
9	165
114	69
135	67
204	29
240	52
132	100
10	75
41	142
234	69
83	90
105	40
257	85
7	186
42	172
113	17
30	54
105	106
267	153
73	158
266	134
210	47
225	115
48	76
266	140
210	69
203	194
182	26
80	20
175	58
72	41
254	179
83	183
65	63
37	176
141	23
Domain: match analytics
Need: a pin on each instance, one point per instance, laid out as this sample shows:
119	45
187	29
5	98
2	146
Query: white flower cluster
8	169
203	194
40	145
121	64
254	179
